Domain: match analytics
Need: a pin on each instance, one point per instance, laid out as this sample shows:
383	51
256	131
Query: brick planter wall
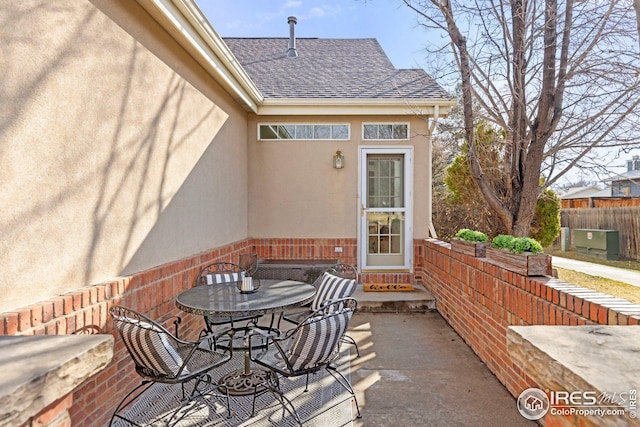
480	300
320	249
306	249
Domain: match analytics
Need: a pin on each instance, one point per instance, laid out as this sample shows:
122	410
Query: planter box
525	264
475	249
293	269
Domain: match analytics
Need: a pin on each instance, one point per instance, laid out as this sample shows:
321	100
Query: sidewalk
621	275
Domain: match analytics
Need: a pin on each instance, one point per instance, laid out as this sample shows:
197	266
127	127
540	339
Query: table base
239	383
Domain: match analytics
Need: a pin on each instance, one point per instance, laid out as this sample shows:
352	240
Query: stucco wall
111	162
295	191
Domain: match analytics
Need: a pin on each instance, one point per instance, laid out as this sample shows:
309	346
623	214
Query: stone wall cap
38	370
598	358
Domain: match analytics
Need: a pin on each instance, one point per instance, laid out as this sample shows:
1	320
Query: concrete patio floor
414	370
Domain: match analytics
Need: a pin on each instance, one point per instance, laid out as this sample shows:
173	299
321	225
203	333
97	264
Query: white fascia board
185	22
352	107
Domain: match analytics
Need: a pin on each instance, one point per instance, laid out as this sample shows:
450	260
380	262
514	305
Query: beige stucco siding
295	191
117	151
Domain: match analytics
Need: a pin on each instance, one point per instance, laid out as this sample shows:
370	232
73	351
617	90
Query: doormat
388	287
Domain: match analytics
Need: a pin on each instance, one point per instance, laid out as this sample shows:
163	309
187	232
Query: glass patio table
227	300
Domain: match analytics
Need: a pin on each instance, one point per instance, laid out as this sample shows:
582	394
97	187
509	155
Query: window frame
407	124
313	131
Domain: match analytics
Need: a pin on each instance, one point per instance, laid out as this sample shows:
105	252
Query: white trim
185	22
352	107
408	152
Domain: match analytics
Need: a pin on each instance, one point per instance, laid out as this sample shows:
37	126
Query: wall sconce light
338	160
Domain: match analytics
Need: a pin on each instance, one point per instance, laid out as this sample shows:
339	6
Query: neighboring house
627	184
582	192
581	197
134	136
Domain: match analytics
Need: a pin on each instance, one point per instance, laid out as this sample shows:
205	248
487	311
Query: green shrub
545	227
472	235
517	245
502	241
526	244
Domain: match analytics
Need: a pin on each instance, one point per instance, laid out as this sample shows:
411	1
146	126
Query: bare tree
560	77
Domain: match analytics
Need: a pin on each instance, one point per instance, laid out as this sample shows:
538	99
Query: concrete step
418	300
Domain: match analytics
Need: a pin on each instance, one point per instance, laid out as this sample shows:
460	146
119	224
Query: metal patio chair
222	274
161	357
249	263
313	345
338	281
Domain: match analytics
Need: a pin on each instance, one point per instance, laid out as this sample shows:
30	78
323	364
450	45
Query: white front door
386	207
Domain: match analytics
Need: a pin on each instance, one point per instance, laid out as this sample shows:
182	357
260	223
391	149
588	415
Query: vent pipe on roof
291	52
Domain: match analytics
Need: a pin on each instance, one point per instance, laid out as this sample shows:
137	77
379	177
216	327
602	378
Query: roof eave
436	107
184	21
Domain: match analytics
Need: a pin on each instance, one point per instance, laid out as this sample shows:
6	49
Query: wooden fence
600	202
625	220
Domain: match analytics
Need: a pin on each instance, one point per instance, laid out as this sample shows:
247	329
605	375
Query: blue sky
391	23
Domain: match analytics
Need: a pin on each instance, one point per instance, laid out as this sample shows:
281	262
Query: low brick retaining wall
86	311
481	300
153	292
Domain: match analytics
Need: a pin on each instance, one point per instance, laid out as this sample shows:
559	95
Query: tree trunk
543	124
517	119
636	6
460	43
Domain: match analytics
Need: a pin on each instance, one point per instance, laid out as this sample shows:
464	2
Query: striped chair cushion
317	339
218	278
150	347
332	287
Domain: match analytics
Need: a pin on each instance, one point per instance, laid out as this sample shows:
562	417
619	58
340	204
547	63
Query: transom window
385	131
304	131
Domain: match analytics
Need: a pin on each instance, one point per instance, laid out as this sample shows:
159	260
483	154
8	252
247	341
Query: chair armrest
264	333
295	316
266	337
210	342
176	321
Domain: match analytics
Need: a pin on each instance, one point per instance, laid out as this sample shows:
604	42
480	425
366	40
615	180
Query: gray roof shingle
330	68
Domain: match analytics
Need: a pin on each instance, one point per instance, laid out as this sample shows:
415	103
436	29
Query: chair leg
349	340
273	385
129	398
226	394
344	382
213	386
280	320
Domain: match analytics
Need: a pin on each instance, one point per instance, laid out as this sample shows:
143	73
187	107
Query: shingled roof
330	68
